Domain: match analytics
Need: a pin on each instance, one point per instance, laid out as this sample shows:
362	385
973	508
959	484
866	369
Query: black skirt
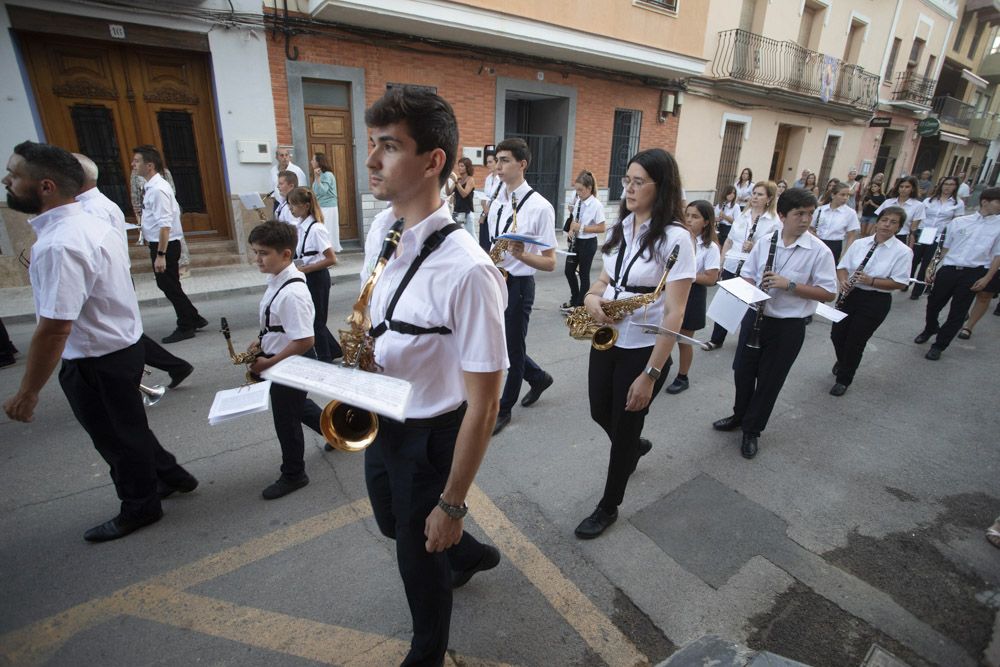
694	312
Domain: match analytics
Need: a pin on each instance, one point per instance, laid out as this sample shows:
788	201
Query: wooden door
328	131
104	99
778	159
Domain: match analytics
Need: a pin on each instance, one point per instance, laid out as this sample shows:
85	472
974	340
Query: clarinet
936	259
753	230
854	278
571	245
753	340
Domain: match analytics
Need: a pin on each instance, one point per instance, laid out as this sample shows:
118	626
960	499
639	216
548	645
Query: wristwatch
454	511
791	286
654	373
160	253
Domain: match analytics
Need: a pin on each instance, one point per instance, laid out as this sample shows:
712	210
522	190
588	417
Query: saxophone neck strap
510	220
620	281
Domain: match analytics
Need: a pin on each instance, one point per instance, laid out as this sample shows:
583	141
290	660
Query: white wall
16	121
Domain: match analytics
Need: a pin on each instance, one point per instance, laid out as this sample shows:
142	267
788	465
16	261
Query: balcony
913	91
985	127
953	111
787	67
990	68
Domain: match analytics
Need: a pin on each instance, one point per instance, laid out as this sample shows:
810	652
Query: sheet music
927	235
743	290
830	313
523	239
233	403
726	310
379	393
252	201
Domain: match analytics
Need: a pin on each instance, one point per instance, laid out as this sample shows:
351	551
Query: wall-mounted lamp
670	102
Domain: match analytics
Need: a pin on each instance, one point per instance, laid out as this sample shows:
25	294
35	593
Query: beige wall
18	235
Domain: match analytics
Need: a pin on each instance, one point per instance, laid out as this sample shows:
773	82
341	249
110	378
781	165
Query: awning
954	138
976	81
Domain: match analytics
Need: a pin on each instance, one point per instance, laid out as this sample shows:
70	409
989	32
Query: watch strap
454	511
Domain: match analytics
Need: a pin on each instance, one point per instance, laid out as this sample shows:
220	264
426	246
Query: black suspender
305	237
623	286
430	245
267	310
511	218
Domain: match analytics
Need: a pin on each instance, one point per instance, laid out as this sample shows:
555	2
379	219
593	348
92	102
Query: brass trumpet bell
152	395
604	338
348	428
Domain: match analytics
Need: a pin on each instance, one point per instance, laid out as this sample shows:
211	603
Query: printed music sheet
234	403
830	313
252	201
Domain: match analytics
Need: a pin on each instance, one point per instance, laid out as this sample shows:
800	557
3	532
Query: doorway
780	151
888	152
328	131
541	121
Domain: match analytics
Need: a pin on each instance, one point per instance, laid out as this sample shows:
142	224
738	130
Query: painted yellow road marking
600	633
34	644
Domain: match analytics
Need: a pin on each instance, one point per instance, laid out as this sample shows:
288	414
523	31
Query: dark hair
44	161
429	119
707	212
795	198
275	235
150	155
662	168
470	169
897	210
323	162
726	192
587	180
990	194
300	196
914	187
290	177
936	192
517	147
739	179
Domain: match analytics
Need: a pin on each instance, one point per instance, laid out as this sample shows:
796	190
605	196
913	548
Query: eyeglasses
633	182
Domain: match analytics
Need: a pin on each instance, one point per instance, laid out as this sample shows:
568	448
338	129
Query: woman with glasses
623	379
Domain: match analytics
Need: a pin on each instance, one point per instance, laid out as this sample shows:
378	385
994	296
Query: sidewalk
17	303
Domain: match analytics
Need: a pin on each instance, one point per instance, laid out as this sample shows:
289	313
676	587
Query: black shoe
645	447
179	376
838	389
596	523
178	335
120	526
201	323
922	337
914	295
490	559
809	319
996	311
503	419
283	486
678	385
712	345
748	448
566	307
730	423
933	354
536	391
836	368
184	482
7	360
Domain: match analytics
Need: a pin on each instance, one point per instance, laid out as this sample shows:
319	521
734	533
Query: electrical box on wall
474	154
254	151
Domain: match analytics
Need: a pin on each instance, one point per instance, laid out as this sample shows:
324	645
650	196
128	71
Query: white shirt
938	215
457	287
963	191
303	181
972	240
732	210
807	262
292	310
536	219
490	186
98	205
79	272
740	232
284	214
646	271
160	209
314	240
706	257
833	224
914	212
591	213
890	260
743	192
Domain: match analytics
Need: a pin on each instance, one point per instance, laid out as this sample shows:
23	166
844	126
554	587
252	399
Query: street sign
928	127
880	121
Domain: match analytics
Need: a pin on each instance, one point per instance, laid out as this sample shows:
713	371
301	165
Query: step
203	254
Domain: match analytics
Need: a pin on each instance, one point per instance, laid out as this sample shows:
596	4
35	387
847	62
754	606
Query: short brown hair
275	235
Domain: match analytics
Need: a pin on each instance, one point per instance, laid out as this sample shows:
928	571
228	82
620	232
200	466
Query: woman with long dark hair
744	186
465	188
624	379
324	186
904	195
940	208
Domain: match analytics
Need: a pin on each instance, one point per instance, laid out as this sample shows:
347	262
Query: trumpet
151	395
502	246
346	427
582	324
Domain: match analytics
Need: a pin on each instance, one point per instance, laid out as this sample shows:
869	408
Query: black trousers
718	331
290	409
922	256
158	357
836	247
169	282
578	269
723	231
326	346
7	348
760	373
103	393
484	234
609	377
405	470
520	299
954	283
866	310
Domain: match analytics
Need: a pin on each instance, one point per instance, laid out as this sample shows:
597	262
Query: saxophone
502	246
241	358
603	336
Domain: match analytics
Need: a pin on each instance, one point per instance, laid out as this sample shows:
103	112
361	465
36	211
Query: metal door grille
543	173
624	144
96	136
180	153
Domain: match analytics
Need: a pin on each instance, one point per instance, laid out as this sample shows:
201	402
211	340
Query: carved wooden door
329	131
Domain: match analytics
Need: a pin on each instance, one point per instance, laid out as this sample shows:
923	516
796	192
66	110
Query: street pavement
860	522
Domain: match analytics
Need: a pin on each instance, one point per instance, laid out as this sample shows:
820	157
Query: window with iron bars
664	5
624	144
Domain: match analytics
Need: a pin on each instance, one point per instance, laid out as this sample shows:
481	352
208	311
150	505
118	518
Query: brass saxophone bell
348	428
604	338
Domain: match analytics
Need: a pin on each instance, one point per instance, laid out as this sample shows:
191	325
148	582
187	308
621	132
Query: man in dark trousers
88	315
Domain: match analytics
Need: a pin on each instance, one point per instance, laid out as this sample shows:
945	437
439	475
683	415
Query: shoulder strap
305	237
267	309
511	218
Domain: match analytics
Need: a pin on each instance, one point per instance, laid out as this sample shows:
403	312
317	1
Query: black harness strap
305	237
511	218
623	285
267	310
430	245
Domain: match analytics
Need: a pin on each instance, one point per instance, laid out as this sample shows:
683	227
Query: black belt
451	418
964	268
513	277
786	319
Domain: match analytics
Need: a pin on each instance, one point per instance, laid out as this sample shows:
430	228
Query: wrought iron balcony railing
951	110
913	88
762	61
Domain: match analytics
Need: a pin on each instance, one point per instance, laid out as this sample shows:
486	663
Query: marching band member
588	221
867	274
836	223
440	307
623	380
757	221
726	212
969	263
700	222
905	196
940	208
535	218
491	188
802	273
287	181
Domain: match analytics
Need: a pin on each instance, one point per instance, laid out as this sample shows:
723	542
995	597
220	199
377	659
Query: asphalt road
860	521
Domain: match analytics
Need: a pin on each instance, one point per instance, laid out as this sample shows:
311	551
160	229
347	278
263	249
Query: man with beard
89	316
